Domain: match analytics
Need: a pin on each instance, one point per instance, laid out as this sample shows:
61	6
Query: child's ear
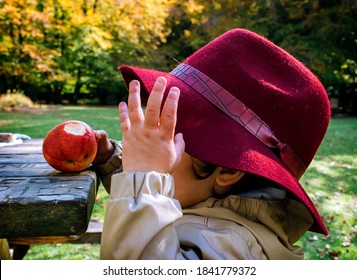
227	177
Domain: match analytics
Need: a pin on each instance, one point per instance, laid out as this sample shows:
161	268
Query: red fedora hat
249	105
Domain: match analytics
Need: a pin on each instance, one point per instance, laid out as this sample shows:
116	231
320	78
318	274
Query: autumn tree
52	47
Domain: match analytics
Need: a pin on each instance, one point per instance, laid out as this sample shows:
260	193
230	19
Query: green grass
331	180
37	122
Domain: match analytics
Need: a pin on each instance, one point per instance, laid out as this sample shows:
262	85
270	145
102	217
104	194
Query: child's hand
105	148
149	143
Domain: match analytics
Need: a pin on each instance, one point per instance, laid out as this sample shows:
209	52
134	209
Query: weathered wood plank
25	170
32	170
22	158
27	146
38	201
19	149
41	206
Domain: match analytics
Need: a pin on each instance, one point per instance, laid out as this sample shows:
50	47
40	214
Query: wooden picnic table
39	204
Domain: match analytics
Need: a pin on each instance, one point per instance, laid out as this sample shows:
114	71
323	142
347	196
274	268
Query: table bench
41	205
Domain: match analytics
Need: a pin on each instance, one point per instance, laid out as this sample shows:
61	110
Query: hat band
235	109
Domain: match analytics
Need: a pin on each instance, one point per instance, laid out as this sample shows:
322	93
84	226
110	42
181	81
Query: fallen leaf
314	238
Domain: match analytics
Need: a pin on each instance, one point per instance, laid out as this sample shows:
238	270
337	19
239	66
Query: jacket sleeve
112	166
139	218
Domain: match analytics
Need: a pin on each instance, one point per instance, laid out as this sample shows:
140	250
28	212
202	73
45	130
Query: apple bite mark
75	129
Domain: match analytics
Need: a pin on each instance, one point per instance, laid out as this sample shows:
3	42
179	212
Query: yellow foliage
217	5
100	38
187	33
193	7
46	41
14	100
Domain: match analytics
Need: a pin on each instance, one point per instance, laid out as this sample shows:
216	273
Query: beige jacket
143	221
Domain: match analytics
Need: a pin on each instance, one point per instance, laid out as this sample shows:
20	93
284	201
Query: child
215	174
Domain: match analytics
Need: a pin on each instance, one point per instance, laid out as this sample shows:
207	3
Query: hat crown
272	83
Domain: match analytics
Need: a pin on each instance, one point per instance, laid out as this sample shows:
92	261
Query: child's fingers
179	146
152	113
169	113
124	117
99	134
135	111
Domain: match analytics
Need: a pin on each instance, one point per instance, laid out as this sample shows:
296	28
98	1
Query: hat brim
209	136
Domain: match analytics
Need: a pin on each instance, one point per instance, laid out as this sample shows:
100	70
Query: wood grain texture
36	200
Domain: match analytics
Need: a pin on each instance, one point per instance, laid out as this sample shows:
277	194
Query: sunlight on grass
37	122
63	252
331	182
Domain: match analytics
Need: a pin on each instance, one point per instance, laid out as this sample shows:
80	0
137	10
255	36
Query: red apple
70	146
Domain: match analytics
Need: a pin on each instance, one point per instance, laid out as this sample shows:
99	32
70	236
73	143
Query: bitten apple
70	146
